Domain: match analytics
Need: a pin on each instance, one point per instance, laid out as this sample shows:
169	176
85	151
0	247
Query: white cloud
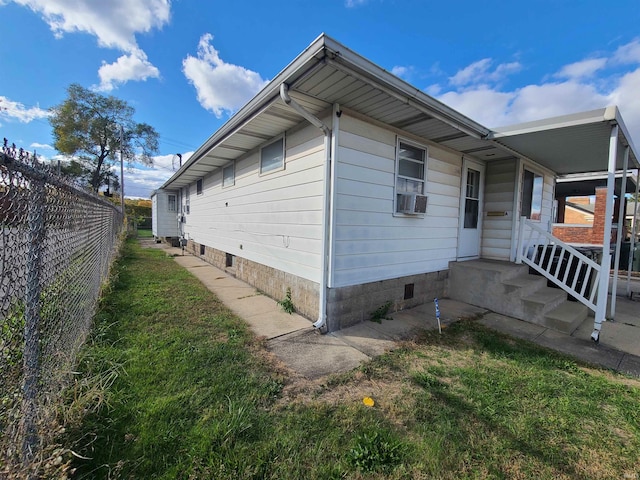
584	85
486	106
141	181
480	72
114	23
133	66
471	73
220	86
354	3
625	95
628	54
41	145
17	111
403	72
585	68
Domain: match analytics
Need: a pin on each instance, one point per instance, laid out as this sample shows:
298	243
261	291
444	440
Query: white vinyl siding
275	219
498	207
164	222
370	243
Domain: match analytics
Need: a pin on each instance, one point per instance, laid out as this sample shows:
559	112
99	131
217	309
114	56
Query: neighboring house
352	188
165	222
581	216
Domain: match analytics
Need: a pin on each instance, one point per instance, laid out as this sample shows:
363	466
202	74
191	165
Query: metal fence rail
57	243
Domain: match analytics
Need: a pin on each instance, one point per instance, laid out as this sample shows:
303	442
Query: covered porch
594	141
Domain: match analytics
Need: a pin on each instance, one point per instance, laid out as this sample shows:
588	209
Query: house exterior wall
574	216
269	280
371	243
270	223
498	210
164	224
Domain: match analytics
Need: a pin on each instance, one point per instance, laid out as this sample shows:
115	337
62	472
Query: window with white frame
272	156
187	203
411	169
172	204
199	187
229	175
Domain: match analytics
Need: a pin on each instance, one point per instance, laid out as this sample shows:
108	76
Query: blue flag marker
435	301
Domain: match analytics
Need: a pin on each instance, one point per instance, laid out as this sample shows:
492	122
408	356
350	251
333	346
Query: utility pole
121	170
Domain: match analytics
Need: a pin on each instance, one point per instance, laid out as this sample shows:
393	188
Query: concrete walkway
293	339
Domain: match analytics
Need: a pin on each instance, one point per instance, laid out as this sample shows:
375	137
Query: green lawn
176	386
144	233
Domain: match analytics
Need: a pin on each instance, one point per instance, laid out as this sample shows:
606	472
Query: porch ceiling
568	144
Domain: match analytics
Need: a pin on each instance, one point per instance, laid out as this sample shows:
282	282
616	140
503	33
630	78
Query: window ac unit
412	203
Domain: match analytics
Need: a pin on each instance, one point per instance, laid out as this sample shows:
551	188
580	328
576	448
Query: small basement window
172	204
272	156
199	187
202	249
229	175
408	290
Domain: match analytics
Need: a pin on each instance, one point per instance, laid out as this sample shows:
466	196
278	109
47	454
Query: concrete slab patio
293	339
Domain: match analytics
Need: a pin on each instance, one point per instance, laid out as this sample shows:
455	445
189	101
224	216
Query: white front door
471	204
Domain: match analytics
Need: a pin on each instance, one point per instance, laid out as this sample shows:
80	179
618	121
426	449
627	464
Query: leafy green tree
87	126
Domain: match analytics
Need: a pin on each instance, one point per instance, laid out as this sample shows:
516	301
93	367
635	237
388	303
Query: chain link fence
57	243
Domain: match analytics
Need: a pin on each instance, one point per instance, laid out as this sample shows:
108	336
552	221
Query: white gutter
326	196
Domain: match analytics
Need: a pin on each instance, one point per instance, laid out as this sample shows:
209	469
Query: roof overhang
328	73
576	143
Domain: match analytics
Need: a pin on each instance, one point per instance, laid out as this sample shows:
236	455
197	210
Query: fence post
31	355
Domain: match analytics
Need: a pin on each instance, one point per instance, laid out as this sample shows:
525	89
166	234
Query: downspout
326	196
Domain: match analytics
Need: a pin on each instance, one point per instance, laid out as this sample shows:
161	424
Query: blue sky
187	65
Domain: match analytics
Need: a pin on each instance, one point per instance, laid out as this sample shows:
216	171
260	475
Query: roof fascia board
583	118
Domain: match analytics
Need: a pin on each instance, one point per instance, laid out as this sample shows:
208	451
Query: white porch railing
571	270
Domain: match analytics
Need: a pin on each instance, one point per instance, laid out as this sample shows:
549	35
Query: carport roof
576	143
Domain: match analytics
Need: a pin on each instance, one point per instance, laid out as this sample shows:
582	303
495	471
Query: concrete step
524	285
489	268
566	317
545	299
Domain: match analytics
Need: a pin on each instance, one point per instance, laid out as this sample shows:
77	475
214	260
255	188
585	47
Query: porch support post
605	263
622	210
634	229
